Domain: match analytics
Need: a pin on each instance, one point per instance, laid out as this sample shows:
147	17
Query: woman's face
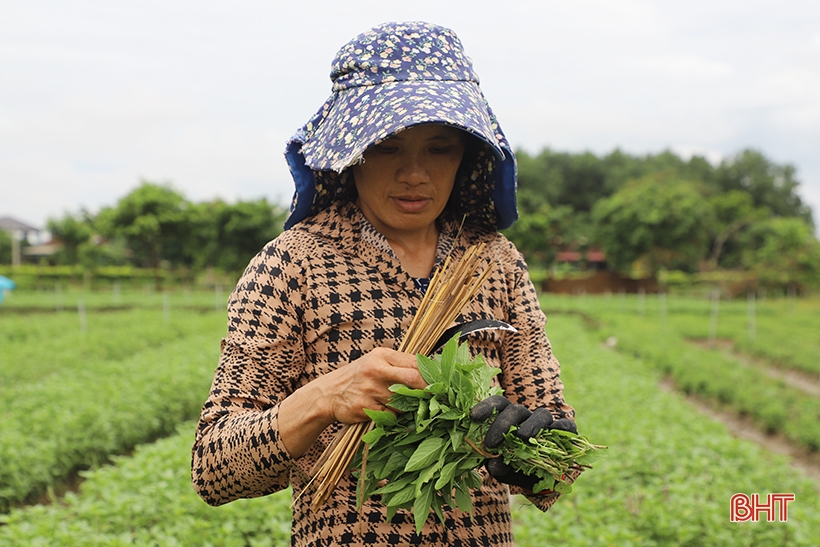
406	180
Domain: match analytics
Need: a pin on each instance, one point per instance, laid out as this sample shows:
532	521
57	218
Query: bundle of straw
452	287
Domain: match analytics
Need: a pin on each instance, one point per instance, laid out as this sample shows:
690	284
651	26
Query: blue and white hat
388	79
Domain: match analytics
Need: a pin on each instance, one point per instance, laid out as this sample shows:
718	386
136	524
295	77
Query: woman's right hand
342	396
365	383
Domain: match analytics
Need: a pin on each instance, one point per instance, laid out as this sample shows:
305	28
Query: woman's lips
411	204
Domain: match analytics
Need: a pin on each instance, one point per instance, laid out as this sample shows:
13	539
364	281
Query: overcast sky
98	95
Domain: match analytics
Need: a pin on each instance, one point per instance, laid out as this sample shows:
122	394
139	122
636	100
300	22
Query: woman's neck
416	252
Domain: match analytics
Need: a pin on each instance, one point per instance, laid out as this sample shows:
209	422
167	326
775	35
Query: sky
96	96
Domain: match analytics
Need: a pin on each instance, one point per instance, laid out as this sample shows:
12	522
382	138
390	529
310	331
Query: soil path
801	458
798	379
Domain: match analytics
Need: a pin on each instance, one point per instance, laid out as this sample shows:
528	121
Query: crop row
670	471
71	299
667	480
785	332
775	406
147	499
84	409
37	345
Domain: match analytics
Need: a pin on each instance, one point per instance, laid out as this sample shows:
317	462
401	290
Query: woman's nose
413	169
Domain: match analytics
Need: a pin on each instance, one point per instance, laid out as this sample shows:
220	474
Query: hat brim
362	116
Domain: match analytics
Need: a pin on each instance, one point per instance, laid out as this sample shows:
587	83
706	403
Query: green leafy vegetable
429	452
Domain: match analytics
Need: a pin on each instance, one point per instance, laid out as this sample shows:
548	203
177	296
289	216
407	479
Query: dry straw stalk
452	287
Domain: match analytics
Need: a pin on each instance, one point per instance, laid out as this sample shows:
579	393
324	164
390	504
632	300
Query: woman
404	164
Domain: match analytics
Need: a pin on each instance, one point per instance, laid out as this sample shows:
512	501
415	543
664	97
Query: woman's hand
342	396
364	384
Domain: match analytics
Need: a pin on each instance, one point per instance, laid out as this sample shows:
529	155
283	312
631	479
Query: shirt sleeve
238	452
530	371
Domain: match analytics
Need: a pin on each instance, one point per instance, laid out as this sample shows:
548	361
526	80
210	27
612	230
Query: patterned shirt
319	296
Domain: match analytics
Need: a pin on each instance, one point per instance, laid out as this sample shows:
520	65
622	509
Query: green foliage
5	247
784	330
783	251
771	186
670	470
156	227
559	191
541	233
227	236
48	285
667	479
786	335
659	220
69	403
775	406
429	452
732	212
147	499
153	221
72	231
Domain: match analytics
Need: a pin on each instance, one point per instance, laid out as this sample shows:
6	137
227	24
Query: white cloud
94	94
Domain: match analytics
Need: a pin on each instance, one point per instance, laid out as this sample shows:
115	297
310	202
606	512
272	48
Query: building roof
568	256
11	225
592	255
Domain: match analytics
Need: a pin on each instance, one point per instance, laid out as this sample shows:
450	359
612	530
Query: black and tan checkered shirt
322	294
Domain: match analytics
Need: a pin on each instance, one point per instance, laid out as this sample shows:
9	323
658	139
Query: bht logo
743	508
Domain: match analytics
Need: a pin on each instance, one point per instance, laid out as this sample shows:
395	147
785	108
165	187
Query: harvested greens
429	452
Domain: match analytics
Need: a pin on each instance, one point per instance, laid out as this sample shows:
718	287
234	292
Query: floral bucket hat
390	78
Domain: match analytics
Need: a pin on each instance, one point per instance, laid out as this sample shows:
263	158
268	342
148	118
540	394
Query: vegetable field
97	422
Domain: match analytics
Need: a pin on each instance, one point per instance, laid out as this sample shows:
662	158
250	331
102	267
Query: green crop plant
666	481
429	451
99	399
147	499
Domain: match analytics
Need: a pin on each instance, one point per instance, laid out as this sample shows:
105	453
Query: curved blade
466	328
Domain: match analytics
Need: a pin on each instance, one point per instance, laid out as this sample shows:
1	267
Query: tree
537	234
783	252
580	180
576	180
228	236
733	212
154	221
770	185
5	247
72	231
659	220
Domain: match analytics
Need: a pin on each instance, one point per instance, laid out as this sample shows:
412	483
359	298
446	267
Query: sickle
466	328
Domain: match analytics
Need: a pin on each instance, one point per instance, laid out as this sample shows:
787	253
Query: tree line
646	213
156	227
663	212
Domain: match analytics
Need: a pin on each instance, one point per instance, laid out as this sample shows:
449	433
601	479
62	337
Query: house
592	259
19	232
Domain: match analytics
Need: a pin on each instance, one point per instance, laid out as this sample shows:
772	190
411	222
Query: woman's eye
385	149
442	149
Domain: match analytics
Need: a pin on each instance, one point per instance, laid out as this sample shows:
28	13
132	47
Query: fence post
713	319
750	316
641	301
218	297
58	296
662	306
116	293
166	306
82	315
